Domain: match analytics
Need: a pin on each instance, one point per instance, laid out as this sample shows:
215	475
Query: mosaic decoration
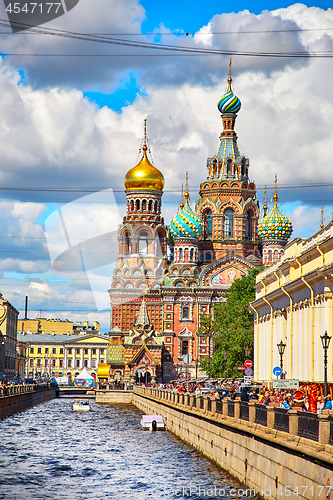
115	353
186	223
229	103
275	226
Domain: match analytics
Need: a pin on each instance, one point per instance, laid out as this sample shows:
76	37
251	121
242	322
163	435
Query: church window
143	242
229	164
150	205
185	313
137	204
155	206
184	347
144	205
269	256
243	168
248	232
228	224
208	223
132	206
127	245
276	255
180	254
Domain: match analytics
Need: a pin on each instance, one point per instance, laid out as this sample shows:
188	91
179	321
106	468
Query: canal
50	452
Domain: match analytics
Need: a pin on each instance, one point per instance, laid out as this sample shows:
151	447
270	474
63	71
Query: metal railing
308	425
219	407
261	414
12	390
281	419
231	409
209	404
201	404
244	410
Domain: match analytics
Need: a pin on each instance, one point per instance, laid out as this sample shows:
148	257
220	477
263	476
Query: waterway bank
12	403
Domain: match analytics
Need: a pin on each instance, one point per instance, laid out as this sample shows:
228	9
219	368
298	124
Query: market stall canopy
84	379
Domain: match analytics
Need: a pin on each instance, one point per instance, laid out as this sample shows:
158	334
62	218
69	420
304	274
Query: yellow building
56	354
8	329
294	303
56	326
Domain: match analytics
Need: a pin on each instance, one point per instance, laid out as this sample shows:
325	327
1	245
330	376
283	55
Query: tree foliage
231	328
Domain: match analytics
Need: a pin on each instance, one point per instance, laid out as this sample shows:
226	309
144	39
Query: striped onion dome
275	226
229	103
186	224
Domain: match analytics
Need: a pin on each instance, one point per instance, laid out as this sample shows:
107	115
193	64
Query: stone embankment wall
15	403
275	464
114	396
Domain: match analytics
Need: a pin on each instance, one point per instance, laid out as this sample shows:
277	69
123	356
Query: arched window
143	242
270	259
137	204
276	256
248	229
192	255
180	254
150	205
228	224
229	163
208	224
132	206
127	244
144	205
155	209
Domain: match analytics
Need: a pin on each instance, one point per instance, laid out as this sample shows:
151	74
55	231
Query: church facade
185	269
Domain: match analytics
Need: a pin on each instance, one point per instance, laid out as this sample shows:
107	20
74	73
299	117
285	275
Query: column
105	354
98	357
90	357
82	352
65	357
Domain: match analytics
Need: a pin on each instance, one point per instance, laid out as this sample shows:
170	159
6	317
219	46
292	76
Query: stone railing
293	424
13	390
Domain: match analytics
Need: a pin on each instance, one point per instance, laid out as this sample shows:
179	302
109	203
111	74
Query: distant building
8	340
56	354
294	303
56	326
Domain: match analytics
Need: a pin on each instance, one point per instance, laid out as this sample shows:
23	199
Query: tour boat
81	405
152	423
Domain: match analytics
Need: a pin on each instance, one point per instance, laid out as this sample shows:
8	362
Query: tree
230	327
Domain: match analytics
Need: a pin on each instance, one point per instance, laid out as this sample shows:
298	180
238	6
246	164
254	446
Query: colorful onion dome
144	175
186	224
275	226
229	103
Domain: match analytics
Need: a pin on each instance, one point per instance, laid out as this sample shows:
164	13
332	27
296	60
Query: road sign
240	367
139	371
248	363
248	371
248	380
187	359
286	383
277	371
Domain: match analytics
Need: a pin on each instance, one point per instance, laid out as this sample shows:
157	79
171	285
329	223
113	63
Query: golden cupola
144	175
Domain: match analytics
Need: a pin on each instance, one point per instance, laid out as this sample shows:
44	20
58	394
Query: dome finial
229	79
265	207
181	204
322	217
187	194
275	197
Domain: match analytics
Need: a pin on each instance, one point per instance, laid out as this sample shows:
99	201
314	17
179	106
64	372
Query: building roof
36	338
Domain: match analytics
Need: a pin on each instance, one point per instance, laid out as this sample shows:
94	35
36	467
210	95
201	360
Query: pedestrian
313	399
244	395
328	402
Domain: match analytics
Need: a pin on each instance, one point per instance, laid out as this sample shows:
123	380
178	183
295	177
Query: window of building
60	363
61	350
53	362
184	347
77	351
46	350
94	351
31	362
38	362
69	351
54	350
102	351
31	350
186	312
228	224
39	350
93	363
69	363
85	362
86	351
248	233
143	242
77	363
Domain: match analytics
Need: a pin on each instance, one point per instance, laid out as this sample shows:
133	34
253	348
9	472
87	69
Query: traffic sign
248	363
248	380
277	371
286	383
248	371
240	367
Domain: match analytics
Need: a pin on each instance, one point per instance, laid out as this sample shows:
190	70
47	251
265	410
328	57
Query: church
166	277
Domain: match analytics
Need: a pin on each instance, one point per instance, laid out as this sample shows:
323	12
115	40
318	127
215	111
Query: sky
71	125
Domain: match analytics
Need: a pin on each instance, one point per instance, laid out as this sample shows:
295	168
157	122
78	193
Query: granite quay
17	398
266	448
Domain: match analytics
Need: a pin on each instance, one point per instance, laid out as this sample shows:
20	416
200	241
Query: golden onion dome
144	175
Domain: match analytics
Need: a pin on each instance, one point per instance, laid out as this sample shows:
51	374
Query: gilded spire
275	197
229	79
181	205
265	207
322	217
187	194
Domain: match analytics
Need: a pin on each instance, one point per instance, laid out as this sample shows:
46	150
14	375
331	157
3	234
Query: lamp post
225	357
281	347
325	340
247	352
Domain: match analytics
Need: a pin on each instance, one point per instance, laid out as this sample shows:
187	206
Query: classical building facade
8	339
56	326
294	303
186	268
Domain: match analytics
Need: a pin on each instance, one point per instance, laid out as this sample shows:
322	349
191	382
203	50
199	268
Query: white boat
81	405
152	423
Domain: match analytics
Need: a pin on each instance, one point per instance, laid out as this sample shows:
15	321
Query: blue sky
70	126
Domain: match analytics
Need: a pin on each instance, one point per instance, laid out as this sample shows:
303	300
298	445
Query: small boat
152	423
81	405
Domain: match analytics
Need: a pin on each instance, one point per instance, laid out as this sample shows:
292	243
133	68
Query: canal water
50	452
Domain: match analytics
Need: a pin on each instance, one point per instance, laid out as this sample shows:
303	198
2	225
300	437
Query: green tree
230	328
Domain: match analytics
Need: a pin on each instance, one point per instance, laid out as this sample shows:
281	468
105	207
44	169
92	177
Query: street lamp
247	352
325	340
281	347
225	357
